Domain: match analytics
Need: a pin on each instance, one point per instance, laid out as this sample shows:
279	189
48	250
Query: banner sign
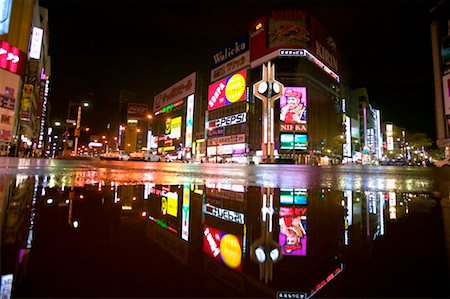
7	102
293	127
5	15
227	139
229	120
227	91
178	91
224	214
231	66
12	59
231	50
137	111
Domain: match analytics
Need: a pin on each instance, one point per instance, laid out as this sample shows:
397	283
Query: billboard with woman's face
293	105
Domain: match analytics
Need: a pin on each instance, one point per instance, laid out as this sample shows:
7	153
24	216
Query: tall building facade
440	43
25	78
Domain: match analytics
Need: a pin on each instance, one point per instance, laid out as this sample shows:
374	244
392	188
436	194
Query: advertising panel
189	120
323	45
293	196
36	43
185	209
216	132
258	39
293	127
293	231
231	50
173	127
12	59
287	141
227	149
224	214
288	28
389	137
293	105
231	66
446	92
227	139
137	111
5	15
26	102
180	90
227	91
239	118
223	247
7	102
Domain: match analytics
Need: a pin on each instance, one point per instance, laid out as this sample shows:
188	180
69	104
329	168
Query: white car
442	163
144	156
115	155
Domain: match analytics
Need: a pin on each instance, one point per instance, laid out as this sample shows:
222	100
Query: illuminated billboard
173	127
176	92
137	111
12	59
293	231
223	247
36	43
287	141
5	15
293	196
293	105
230	90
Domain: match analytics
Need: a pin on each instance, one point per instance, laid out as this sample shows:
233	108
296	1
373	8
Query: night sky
99	47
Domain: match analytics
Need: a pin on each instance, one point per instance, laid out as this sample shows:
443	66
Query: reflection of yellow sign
166	149
235	88
172	204
164	205
230	250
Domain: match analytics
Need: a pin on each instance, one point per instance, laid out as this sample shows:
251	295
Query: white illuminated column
268	90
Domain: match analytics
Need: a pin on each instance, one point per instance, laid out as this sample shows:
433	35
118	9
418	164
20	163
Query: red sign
230	90
292	127
136	110
12	59
258	39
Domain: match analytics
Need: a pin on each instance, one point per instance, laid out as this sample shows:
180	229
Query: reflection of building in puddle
170	217
224	237
17	217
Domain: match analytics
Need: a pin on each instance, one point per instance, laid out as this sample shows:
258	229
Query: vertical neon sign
185	213
189	120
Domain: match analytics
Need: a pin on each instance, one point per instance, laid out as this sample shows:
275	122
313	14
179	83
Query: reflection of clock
164	205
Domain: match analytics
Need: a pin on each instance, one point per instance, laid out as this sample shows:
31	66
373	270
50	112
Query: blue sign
5	15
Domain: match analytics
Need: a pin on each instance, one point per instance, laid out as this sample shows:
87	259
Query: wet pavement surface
71	231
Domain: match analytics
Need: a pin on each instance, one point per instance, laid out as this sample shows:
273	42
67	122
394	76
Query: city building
24	78
178	125
252	119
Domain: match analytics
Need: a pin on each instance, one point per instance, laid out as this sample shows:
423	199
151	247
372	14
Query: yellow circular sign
231	251
235	88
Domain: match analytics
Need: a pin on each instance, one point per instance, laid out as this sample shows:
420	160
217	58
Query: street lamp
77	128
77	124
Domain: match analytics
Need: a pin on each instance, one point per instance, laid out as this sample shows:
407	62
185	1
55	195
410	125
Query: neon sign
227	91
12	59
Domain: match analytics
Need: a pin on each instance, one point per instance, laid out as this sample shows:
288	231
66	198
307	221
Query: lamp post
77	124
